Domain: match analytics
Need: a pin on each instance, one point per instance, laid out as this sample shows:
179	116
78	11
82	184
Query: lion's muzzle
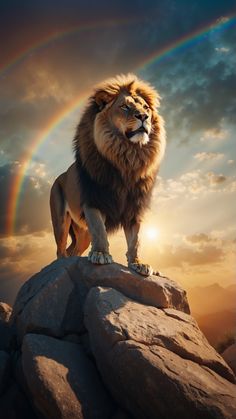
140	130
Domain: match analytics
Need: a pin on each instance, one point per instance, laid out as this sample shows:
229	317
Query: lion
119	144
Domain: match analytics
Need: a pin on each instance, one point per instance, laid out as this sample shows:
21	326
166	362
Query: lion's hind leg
61	219
80	240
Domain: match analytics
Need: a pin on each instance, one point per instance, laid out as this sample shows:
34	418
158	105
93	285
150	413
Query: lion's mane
116	175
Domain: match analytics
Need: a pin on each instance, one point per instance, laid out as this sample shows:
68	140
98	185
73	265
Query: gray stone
7	336
46	310
229	356
14	404
6	329
63	382
156	362
4	370
51	302
72	338
121	414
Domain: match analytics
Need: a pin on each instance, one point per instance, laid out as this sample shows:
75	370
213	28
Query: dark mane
123	205
121	191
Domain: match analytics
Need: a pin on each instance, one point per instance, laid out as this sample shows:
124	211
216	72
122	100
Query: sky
52	54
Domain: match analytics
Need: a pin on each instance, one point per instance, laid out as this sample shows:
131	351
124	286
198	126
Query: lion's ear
102	98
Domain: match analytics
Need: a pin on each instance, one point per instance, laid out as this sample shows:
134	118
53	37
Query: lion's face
121	123
127	128
131	116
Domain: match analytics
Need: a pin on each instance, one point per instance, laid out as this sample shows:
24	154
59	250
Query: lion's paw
99	258
141	268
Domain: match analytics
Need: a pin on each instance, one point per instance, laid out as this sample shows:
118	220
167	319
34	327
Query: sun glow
151	232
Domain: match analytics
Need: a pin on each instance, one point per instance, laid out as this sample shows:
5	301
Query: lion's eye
125	107
146	107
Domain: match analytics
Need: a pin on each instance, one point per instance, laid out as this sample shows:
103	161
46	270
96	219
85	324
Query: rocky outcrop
104	342
148	356
229	356
4	369
63	381
68	282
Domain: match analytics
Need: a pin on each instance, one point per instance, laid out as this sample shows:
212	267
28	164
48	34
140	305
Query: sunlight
152	232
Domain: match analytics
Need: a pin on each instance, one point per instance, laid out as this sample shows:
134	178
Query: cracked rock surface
61	288
93	342
156	360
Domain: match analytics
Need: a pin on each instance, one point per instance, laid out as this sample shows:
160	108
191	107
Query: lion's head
122	123
126	106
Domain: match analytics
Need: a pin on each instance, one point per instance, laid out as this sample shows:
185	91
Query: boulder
6	329
62	381
7	336
156	362
229	356
14	404
4	370
51	302
5	312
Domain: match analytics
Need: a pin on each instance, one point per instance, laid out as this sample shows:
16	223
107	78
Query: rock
14	405
45	311
6	329
19	374
7	334
72	338
121	414
156	362
60	290
5	312
229	356
153	290
63	382
4	370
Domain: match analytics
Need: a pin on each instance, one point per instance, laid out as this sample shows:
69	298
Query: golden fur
129	158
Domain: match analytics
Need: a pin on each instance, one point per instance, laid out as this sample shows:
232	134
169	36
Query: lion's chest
122	202
128	204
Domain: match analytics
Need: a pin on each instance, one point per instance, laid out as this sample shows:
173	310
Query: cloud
192	184
42	85
216	179
203	156
172	256
215	134
198	238
21	257
222	49
33	209
201	241
199	101
196	252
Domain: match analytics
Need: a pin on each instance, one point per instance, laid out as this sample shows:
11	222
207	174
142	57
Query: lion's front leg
131	234
99	253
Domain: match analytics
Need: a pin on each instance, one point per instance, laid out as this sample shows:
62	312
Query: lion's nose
141	116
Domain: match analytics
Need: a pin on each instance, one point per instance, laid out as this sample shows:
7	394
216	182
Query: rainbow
18	179
189	40
157	56
38	45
